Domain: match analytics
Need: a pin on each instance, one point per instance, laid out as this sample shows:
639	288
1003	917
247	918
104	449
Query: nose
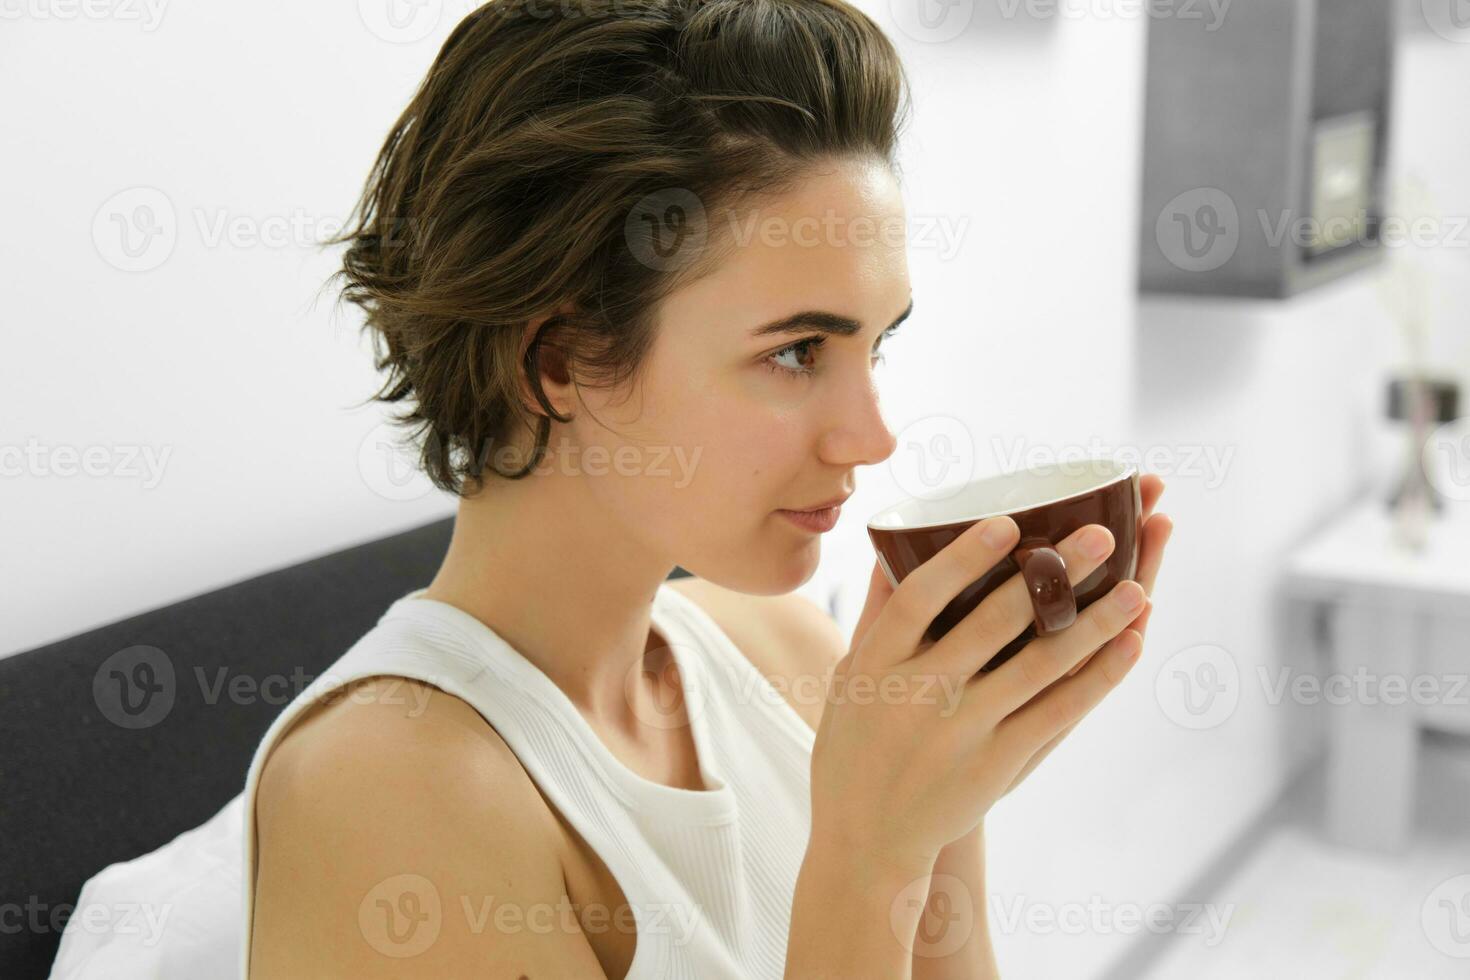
857	435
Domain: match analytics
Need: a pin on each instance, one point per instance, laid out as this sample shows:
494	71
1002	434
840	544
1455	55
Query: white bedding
173	914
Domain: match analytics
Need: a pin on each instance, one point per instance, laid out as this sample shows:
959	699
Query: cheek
730	463
750	450
703	444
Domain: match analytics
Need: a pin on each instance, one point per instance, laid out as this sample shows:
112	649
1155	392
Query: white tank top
709	874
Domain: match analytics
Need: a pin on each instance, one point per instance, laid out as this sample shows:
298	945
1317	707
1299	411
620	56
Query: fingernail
1129	597
1095	543
996	533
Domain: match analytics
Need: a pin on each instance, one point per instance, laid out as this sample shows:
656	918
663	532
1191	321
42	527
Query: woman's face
728	426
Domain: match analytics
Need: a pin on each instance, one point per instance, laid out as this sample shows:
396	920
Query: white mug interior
1004	493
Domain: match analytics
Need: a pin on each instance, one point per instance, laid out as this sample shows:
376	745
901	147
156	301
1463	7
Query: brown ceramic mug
1048	503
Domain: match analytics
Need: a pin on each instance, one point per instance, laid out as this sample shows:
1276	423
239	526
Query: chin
788	568
765	569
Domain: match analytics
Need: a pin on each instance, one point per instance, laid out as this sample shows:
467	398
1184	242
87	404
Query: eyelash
815	343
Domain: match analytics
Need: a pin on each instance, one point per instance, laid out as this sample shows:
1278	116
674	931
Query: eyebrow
821	321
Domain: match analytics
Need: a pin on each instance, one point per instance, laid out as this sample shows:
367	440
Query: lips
833	502
819	521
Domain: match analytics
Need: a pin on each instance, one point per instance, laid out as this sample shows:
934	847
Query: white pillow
175	913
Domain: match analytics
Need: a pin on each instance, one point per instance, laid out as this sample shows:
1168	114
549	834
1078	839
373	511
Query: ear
550	365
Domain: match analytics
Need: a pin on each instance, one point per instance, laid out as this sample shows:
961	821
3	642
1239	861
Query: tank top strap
731	676
524	695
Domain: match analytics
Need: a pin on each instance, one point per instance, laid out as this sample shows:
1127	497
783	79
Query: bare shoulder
786	637
385	819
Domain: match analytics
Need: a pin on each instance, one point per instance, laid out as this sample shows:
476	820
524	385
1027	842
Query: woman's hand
1155	535
900	772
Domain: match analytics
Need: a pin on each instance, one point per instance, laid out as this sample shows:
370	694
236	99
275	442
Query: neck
563	583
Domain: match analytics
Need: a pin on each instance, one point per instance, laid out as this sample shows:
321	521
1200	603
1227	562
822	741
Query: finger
1142	618
1140	625
1150	487
1045	660
1040	754
1006	612
1068	702
1156	533
879	590
1056	739
1151	555
1155	536
899	626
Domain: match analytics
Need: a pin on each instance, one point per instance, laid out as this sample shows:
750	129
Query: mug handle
1045	574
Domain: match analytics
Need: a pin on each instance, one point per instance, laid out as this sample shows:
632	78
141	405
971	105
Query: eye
878	347
809	346
799	348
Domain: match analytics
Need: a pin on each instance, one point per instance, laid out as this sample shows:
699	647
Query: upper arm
787	637
395	844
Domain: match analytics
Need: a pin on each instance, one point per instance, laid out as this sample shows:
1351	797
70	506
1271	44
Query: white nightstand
1393	614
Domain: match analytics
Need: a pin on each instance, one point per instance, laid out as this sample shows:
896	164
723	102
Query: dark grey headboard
80	789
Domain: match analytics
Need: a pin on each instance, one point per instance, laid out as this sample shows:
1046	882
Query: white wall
258	115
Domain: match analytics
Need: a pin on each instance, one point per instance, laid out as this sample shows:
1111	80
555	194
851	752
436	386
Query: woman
613	255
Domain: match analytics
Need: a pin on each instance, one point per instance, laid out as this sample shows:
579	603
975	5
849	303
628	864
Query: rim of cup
915	513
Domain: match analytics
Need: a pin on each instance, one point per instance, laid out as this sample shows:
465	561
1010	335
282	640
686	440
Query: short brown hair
509	188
